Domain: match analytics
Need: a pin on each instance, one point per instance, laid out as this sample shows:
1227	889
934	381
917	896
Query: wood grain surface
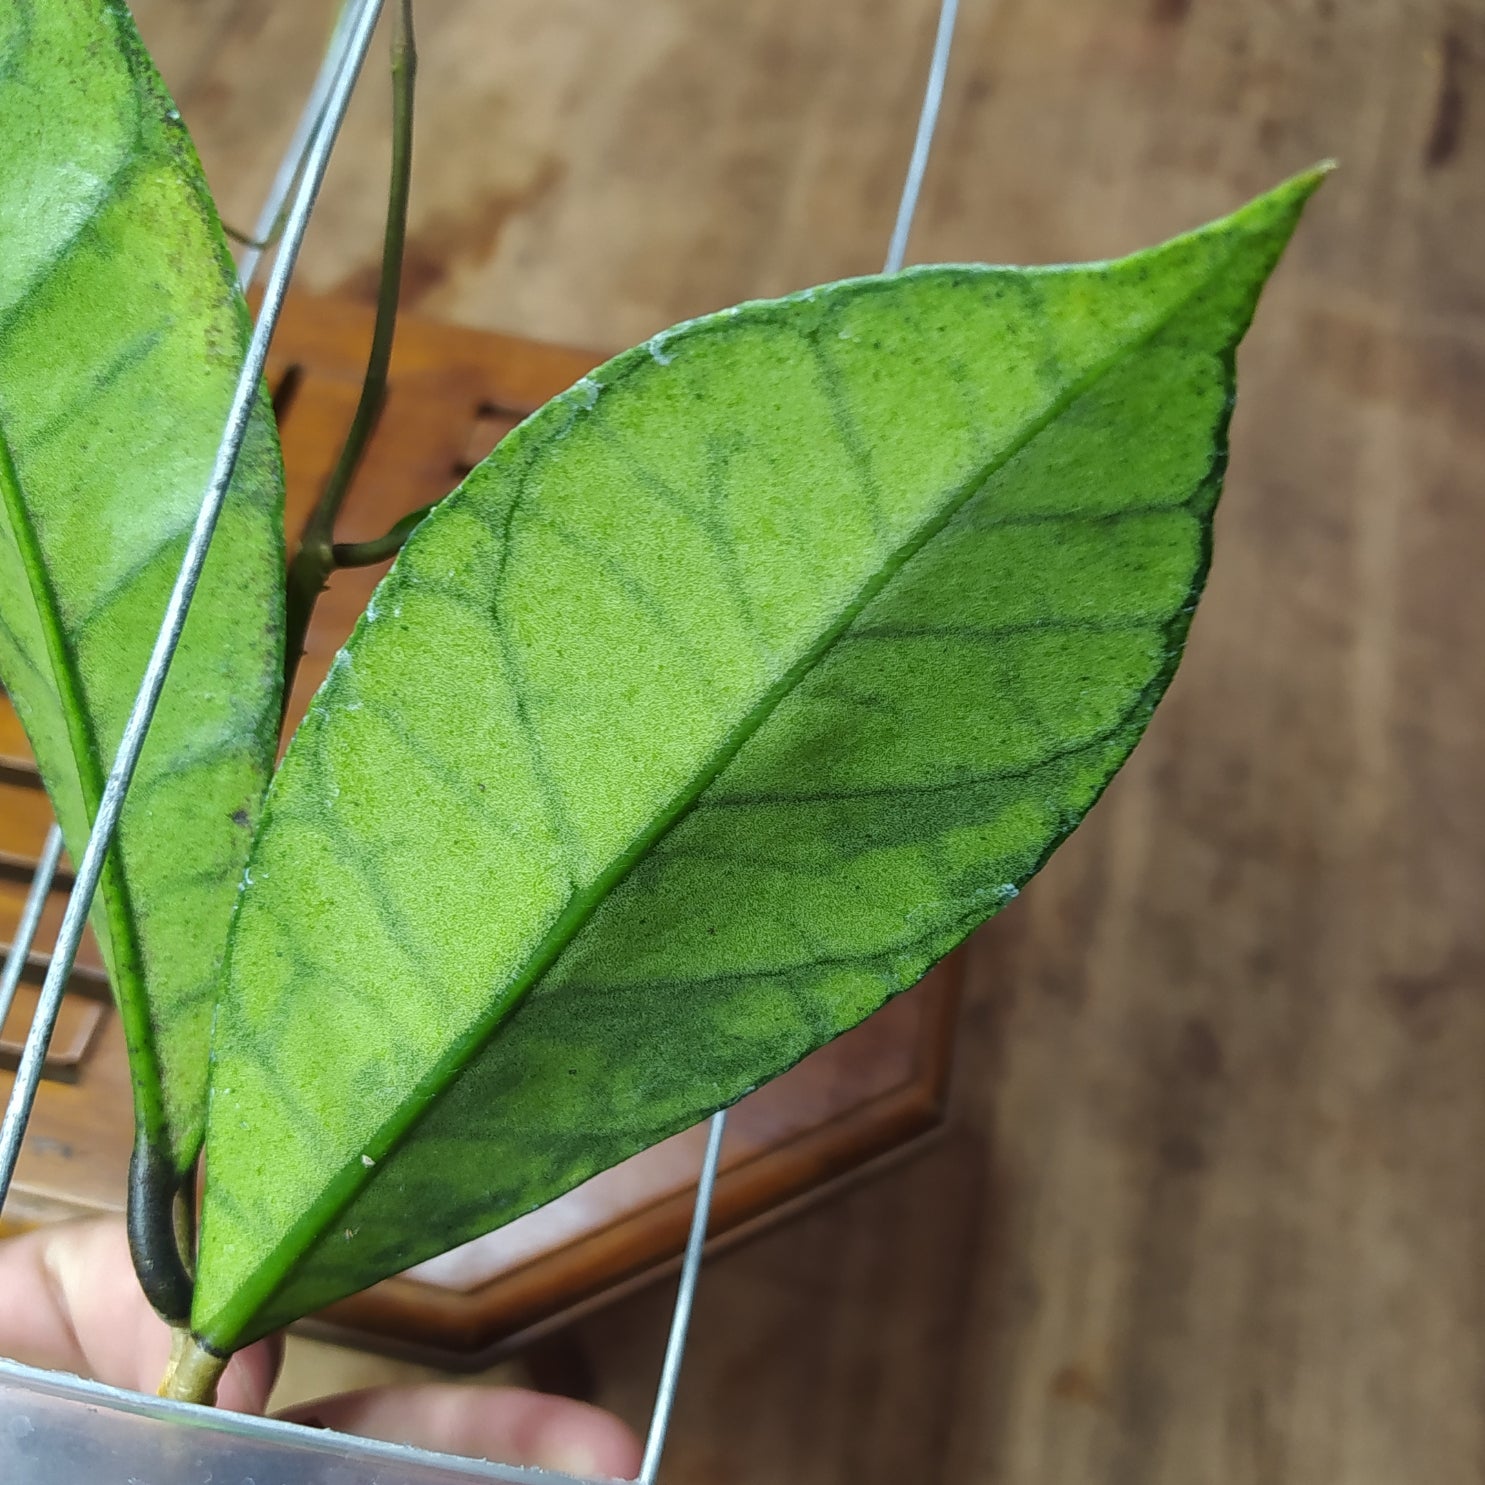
1214	1205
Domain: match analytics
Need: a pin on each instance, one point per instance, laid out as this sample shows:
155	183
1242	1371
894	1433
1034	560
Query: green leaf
730	693
121	336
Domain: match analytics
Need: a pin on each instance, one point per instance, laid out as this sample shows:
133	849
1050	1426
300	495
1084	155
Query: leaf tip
1278	210
1304	185
1260	229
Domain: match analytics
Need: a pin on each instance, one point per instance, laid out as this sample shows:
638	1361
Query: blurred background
1210	1200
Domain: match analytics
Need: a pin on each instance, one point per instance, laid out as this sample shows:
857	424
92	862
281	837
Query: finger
508	1424
250	1376
69	1302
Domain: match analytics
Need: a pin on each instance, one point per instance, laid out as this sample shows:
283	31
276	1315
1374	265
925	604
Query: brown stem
193	1372
379	548
262	244
314	560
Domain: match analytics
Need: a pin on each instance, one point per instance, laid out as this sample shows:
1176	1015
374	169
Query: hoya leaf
121	335
725	697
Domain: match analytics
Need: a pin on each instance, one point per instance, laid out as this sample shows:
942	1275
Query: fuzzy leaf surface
121	335
725	697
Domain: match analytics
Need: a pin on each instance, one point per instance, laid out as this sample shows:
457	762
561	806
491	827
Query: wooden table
1213	1209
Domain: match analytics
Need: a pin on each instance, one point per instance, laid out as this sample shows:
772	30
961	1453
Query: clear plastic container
61	1430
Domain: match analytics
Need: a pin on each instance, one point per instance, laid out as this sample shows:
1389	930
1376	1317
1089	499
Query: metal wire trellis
285	214
105	822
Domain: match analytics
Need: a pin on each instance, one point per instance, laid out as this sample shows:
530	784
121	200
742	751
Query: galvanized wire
25	933
290	168
105	822
680	1320
933	96
670	1372
266	228
271	215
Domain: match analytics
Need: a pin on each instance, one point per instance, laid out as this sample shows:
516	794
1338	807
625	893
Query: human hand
69	1302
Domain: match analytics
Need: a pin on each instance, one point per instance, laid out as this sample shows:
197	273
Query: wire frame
288	206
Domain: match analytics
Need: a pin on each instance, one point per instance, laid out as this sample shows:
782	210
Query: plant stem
159	1240
262	244
193	1372
379	548
314	560
183	1215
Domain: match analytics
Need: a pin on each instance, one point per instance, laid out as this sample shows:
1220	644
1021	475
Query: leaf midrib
139	1031
342	1189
